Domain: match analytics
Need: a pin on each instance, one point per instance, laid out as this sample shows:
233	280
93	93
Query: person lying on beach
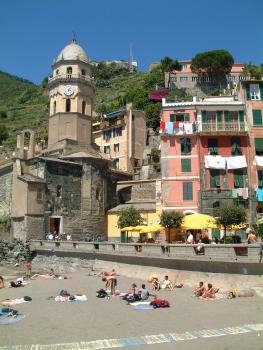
48	276
199	290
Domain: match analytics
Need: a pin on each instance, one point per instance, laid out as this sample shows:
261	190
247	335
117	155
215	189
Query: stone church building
69	186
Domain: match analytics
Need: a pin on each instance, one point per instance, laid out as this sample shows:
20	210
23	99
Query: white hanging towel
215	162
237	162
259	160
188	128
181	129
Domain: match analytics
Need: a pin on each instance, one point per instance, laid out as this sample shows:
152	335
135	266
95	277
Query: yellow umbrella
198	222
151	228
130	228
234	227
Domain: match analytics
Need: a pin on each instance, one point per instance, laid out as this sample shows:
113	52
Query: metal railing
70	77
215	126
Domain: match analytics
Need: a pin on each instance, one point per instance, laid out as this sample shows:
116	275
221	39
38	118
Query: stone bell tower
71	94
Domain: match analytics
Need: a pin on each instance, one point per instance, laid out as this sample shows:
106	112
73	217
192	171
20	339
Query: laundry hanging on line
259	160
215	162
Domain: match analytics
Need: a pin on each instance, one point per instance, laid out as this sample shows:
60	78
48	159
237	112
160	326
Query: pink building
179	157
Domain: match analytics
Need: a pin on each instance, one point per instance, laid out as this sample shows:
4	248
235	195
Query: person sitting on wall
209	293
50	237
166	283
251	238
68	237
199	290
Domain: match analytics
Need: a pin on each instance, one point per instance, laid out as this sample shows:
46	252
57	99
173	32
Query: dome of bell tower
72	52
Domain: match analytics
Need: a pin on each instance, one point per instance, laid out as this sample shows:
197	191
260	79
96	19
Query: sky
33	32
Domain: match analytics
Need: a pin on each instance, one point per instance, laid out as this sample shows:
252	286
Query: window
39	195
214	178
83	107
116	163
107	149
187	191
259	146
238	178
185	146
231	78
69	72
68	103
254	92
54	107
172	117
83	72
195	78
173	79
186	165
183	117
212	146
257	117
184	66
97	194
183	79
116	147
236	146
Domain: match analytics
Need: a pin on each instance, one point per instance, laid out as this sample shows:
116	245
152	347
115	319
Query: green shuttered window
185	146
227	116
236	146
241	116
260	178
248	91
214	178
186	165
172	117
187	191
257	117
212	146
259	146
238	178
204	116
187	117
219	117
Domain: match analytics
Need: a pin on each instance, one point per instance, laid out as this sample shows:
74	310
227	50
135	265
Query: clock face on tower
68	90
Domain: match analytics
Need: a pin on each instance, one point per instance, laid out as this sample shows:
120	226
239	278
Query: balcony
214	127
70	78
106	125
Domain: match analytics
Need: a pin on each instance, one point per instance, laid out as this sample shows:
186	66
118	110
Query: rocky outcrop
15	251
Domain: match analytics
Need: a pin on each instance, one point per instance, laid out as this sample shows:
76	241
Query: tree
168	65
253	70
152	113
215	63
229	215
154	78
171	219
3	133
129	217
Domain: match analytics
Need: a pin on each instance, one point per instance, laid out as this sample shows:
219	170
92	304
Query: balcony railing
214	126
70	77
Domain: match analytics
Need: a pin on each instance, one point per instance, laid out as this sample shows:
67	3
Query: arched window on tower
54	107
83	109
57	72
68	103
83	72
69	72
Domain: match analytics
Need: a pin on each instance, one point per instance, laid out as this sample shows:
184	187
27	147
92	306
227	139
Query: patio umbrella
130	229
198	222
151	228
260	221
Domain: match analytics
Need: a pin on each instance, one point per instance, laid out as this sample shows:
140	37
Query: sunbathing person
2	284
199	290
48	276
166	283
209	293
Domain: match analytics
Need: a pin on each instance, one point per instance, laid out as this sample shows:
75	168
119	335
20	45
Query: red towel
176	125
163	125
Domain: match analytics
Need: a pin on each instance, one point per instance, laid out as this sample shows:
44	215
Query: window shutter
238	178
260	178
257	117
261	91
187	191
259	146
236	146
241	116
187	117
186	165
185	146
219	116
172	117
248	92
214	178
204	116
212	146
227	116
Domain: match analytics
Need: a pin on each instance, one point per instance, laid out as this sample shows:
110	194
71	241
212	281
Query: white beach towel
259	160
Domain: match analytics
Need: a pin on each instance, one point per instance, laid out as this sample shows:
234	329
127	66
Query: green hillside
24	104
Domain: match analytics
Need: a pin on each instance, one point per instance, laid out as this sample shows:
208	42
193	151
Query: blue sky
32	32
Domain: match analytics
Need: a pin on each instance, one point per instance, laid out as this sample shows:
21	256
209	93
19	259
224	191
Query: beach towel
11	319
143	307
140	303
11	302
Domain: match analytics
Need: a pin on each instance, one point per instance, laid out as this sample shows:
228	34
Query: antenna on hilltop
131	59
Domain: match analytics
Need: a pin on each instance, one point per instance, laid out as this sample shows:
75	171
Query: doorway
55	224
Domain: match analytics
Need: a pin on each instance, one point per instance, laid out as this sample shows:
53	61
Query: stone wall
35	227
5	190
14	252
143	191
19	228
